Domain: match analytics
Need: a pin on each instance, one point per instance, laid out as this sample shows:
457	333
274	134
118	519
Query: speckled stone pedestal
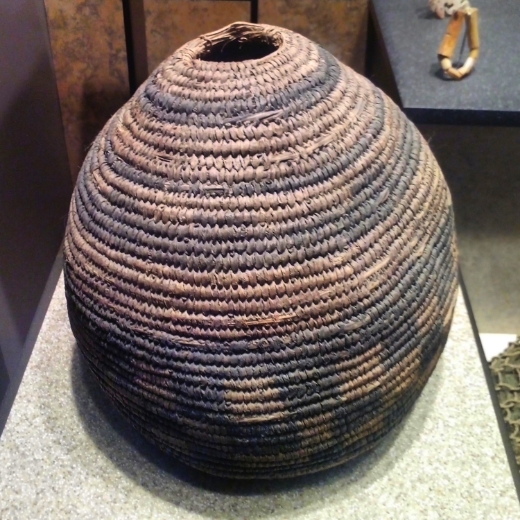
65	453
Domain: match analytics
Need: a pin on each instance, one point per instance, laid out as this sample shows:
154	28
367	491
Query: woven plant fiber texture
260	260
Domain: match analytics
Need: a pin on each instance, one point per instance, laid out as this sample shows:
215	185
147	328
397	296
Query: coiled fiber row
260	259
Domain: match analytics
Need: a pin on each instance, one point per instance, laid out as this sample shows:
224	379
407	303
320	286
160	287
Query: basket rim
234	31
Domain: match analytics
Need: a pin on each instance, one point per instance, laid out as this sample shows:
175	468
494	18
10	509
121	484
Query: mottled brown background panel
88	45
171	23
337	25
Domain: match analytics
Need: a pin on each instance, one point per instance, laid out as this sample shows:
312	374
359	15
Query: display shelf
409	36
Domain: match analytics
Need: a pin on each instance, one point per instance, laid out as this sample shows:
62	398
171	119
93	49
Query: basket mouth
239	42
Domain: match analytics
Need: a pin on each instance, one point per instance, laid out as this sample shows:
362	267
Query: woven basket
260	260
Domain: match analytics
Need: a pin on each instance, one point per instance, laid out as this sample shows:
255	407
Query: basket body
260	258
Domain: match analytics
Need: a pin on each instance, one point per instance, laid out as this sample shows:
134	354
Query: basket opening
239	46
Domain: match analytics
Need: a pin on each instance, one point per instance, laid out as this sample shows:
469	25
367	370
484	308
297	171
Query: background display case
35	186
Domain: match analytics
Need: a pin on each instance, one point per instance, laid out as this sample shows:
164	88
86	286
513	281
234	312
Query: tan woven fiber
260	257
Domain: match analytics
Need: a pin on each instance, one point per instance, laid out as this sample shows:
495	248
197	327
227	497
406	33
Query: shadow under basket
260	258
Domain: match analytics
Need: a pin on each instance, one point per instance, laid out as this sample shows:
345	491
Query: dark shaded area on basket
222	498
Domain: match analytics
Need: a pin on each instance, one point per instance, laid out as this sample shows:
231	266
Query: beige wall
87	38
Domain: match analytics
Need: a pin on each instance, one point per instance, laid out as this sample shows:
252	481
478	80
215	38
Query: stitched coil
260	260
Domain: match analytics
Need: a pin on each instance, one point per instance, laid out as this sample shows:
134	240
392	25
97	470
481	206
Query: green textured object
506	375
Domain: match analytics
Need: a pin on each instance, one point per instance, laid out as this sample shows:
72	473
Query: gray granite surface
490	95
65	453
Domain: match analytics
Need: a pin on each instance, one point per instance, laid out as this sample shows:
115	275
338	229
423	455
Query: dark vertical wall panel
4	375
35	183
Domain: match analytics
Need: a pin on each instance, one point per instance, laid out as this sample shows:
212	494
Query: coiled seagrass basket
260	259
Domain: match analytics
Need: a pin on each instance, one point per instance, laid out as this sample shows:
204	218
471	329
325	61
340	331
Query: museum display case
260	262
